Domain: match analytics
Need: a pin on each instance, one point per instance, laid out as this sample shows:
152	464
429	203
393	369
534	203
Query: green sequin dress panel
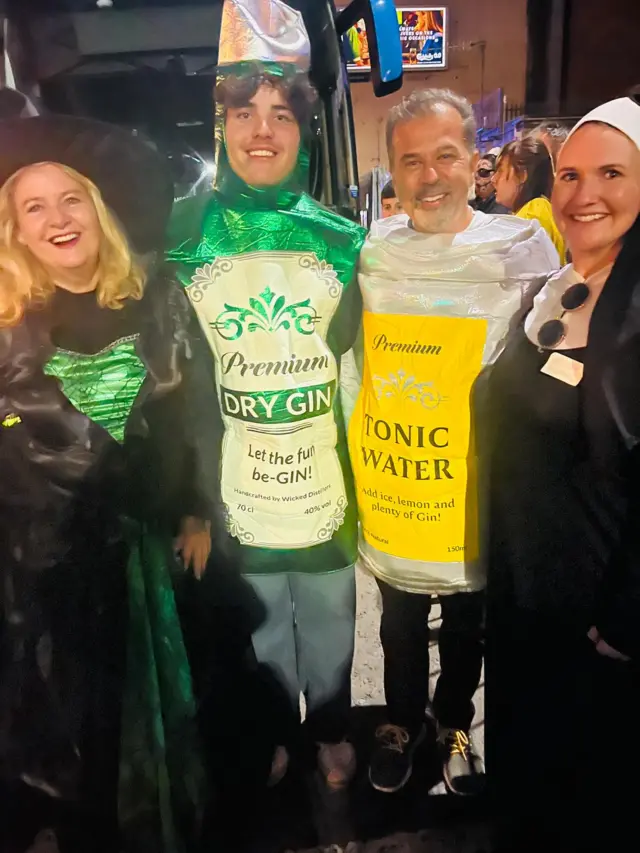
103	385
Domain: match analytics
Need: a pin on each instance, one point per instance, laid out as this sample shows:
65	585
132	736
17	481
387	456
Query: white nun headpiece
623	114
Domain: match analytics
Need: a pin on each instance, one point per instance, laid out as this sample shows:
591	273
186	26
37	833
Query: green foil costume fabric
103	386
271	276
161	778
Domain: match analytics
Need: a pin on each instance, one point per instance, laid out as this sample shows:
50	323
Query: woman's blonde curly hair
25	283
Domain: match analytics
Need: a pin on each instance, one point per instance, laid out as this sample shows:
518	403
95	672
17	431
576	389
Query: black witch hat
131	174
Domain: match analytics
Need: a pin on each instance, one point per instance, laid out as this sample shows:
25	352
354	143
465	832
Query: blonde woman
96	711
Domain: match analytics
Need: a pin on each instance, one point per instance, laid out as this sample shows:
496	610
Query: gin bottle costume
96	710
437	308
271	276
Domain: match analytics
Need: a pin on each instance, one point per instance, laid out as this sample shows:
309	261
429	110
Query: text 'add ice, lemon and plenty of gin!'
410	437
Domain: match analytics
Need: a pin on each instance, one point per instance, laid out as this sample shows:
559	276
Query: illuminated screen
423	37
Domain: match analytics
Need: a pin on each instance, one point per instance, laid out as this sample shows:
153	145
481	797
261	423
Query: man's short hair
388	191
426	102
236	91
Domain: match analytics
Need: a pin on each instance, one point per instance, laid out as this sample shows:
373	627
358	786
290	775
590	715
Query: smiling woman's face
56	220
262	138
596	194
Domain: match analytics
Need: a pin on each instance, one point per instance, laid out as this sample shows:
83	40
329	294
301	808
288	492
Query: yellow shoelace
459	744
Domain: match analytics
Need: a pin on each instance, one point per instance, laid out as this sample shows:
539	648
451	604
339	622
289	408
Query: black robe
563	556
71	499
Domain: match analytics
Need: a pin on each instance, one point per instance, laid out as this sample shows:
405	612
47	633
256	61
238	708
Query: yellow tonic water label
411	438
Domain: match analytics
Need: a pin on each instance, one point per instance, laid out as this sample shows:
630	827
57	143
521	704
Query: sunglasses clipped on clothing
484	173
553	332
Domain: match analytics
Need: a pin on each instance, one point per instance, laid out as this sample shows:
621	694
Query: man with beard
485	199
439	291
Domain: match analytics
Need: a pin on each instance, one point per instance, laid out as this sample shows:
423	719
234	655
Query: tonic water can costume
436	311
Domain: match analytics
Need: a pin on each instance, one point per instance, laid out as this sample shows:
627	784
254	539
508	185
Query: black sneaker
392	760
462	768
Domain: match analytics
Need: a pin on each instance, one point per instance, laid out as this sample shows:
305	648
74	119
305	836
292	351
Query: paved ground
299	813
424	842
427	841
451	831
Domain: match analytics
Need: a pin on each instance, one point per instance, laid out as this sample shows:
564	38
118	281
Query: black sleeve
178	425
618	615
45	452
346	323
195	394
164	478
204	429
39	430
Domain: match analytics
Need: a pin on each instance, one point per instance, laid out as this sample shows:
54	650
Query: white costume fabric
436	310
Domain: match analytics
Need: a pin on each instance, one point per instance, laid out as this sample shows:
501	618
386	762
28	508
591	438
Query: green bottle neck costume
271	275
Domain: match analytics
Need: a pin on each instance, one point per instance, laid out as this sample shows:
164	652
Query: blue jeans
306	643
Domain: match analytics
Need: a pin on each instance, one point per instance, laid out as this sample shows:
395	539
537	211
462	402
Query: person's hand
194	544
603	648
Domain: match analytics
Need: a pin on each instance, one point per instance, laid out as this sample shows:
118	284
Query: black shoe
392	760
462	768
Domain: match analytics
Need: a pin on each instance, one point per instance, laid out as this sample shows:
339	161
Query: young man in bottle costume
271	276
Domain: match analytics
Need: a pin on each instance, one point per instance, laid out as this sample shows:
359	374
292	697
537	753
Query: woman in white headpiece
564	573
